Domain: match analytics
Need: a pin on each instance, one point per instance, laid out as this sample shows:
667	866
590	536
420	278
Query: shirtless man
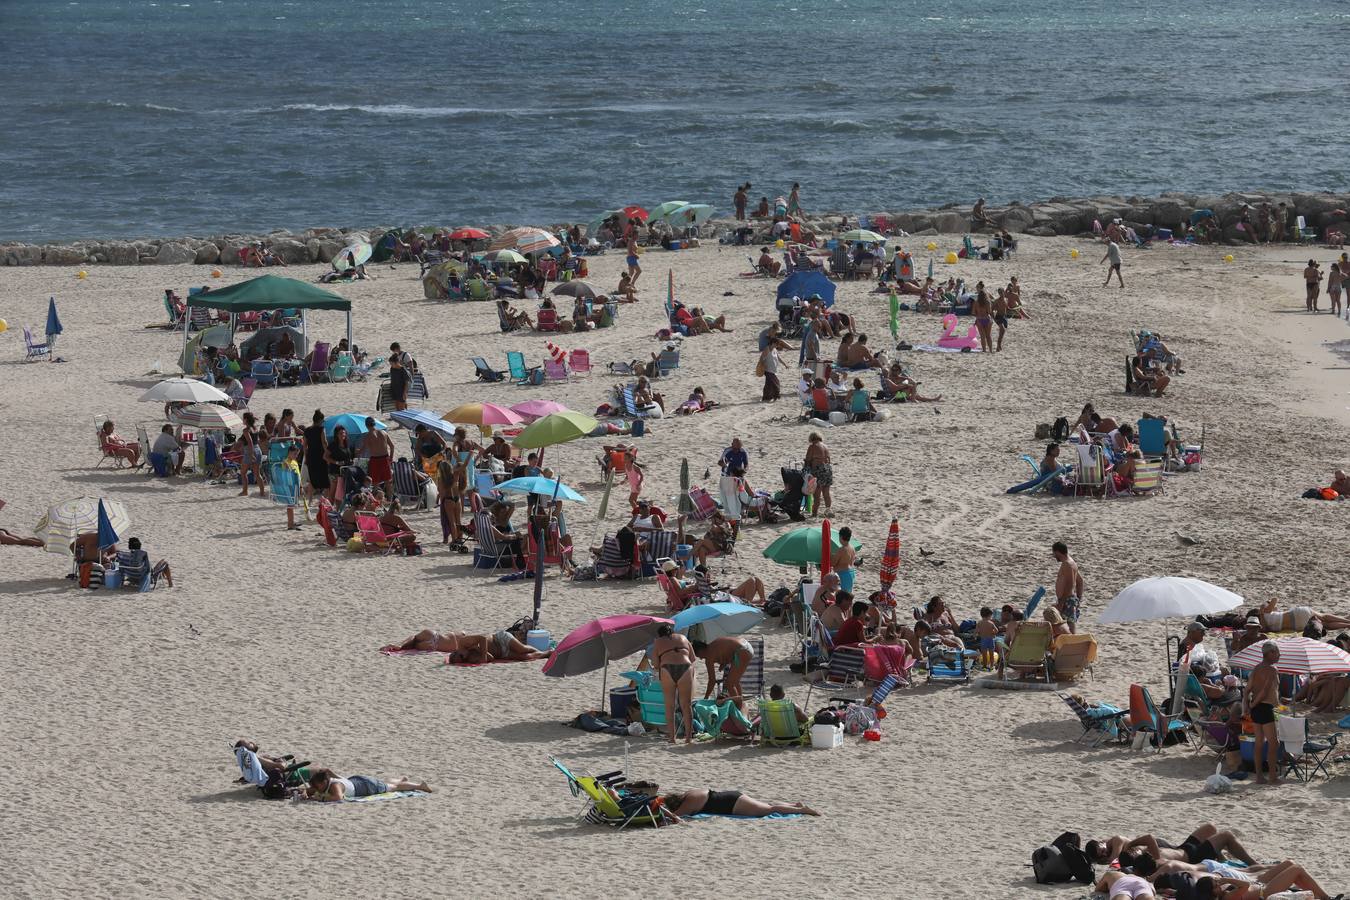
1259	701
733	652
857	355
634	270
829	585
1340	483
1014	295
983	311
1001	316
1068	586
377	445
1205	842
1312	278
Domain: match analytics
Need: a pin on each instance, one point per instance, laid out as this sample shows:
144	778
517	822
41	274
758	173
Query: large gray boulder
21	255
951	223
290	251
64	256
1062	218
207	254
172	253
1168	213
229	254
1016	218
120	253
327	249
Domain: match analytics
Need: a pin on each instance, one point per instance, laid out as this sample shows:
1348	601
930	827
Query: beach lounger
483	372
32	349
1102	722
777	725
609	803
846	668
555	370
1146	718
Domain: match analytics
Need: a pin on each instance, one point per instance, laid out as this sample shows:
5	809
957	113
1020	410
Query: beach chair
324	514
1091	477
483	372
554	370
1071	656
841	262
580	362
546	320
263	373
704	505
406	488
341	367
675	601
1029	653
505	324
844	671
555	554
1146	718
1302	233
610	804
1101	722
630	406
1152	438
1147	478
660	545
374	537
667	361
318	362
32	349
777	725
199	317
950	666
520	373
1304	757
105	449
612	563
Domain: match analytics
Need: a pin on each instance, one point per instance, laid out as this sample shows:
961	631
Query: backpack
1062	860
1059	432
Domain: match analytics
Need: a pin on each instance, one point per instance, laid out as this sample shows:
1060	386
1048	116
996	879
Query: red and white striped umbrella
890	556
1298	656
524	240
559	356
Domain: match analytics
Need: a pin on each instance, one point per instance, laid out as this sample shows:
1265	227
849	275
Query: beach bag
1049	866
1060	430
759	368
860	718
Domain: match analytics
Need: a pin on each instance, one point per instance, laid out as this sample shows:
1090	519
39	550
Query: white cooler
827	737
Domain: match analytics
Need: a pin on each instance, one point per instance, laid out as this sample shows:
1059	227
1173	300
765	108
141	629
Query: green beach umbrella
895	316
686	504
801	546
691	214
661	210
505	255
556	428
862	234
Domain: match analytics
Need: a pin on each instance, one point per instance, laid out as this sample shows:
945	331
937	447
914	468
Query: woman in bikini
983	311
473	648
451	484
1296	618
674	657
728	803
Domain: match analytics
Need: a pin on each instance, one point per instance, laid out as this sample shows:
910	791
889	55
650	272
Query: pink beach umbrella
594	644
537	409
1298	656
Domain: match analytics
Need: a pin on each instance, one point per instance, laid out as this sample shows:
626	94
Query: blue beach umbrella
107	535
715	620
804	284
53	320
355	423
537	484
411	418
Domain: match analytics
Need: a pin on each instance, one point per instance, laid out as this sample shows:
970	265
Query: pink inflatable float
951	341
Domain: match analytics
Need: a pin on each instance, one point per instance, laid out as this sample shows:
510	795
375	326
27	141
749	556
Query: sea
142	118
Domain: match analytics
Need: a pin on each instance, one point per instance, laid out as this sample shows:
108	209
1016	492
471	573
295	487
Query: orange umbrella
481	414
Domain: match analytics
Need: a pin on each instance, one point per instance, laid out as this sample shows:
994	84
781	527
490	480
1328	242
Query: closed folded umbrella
107	533
686	504
481	414
53	322
537	484
575	288
411	418
530	410
355	423
184	390
1298	656
890	556
802	546
708	621
207	417
81	515
555	428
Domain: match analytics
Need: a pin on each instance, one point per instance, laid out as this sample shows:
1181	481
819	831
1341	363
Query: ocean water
137	118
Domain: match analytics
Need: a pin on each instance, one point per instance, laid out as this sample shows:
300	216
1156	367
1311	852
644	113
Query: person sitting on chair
114	445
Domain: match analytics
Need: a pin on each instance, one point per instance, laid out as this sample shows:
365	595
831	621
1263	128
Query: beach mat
744	818
387	795
394	650
469	665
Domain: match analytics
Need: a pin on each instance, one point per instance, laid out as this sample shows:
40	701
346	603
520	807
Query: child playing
987	631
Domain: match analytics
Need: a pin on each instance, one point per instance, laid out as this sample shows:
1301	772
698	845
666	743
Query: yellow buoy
215	273
4	326
82	274
932	245
1228	258
952	257
779	244
1073	254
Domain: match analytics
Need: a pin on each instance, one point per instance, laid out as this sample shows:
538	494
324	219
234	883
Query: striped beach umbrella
1298	656
890	556
524	240
559	355
66	520
207	417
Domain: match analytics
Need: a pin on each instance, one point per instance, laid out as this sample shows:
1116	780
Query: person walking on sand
819	467
634	270
1068	585
1113	254
1334	280
1001	316
1260	699
769	363
1312	277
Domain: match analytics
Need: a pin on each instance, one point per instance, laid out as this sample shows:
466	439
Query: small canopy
804	284
270	292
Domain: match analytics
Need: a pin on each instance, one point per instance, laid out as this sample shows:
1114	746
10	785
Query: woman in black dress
316	459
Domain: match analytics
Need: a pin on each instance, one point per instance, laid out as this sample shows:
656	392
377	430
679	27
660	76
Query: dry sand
117	709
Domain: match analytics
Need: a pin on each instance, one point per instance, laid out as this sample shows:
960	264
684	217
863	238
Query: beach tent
263	338
217	336
384	247
804	284
436	282
269	292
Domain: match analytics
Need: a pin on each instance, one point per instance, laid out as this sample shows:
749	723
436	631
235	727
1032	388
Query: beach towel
778	816
934	348
396	650
387	795
469	665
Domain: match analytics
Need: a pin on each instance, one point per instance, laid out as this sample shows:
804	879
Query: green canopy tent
269	292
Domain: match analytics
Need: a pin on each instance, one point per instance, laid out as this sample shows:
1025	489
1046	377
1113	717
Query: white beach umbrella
185	390
1153	599
64	521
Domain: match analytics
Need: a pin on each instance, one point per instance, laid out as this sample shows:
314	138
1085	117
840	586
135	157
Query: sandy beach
118	709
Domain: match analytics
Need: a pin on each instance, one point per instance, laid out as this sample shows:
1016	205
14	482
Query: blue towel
249	766
769	816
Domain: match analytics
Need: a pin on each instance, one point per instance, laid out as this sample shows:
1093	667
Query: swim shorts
632	261
366	786
1071	608
379	469
1197	851
1263	713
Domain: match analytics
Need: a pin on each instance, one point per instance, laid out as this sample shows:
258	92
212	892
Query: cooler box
827	737
539	639
619	701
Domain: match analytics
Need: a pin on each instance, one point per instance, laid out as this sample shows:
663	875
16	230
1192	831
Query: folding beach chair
1152	438
554	370
777	725
317	369
1147	478
611	562
845	670
580	362
1304	756
374	537
610	803
1091	474
406	488
704	505
555	554
675	601
667	361
660	545
483	372
1099	721
546	320
949	665
32	349
488	548
1145	717
630	406
1072	655
264	373
1029	652
520	373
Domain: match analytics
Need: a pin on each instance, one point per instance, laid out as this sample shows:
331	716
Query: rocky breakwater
314	245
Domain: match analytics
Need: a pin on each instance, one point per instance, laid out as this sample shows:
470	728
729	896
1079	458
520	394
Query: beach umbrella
575	288
529	410
185	390
1298	656
411	418
524	240
686	502
710	621
661	210
894	301
482	414
1150	599
53	322
355	423
555	428
469	234
107	534
691	214
804	283
594	225
826	548
803	547
594	644
890	556
862	234
504	256
537	484
82	515
636	212
207	417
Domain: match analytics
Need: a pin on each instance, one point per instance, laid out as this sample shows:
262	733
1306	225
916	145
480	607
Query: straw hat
669	565
1052	616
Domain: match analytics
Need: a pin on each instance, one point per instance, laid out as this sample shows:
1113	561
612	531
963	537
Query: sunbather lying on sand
1296	618
473	648
1205	842
1214	878
326	786
8	538
727	803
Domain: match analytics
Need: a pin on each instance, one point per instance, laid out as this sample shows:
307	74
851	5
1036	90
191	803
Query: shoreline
1056	216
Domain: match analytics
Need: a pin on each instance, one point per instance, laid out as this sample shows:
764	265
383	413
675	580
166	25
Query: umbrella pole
604	682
